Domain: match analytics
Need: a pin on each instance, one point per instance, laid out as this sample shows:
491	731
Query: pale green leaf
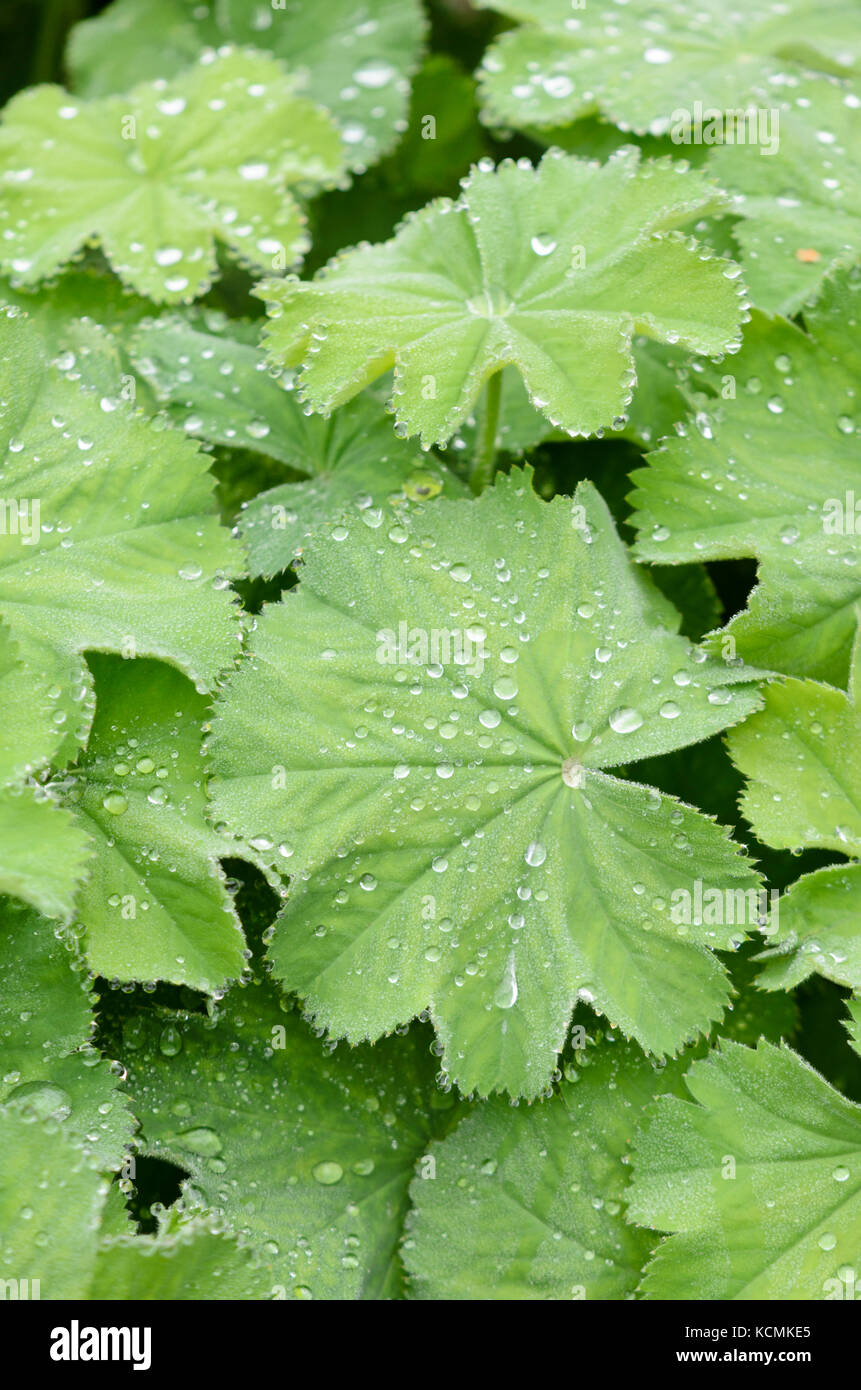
818	929
643	66
194	1262
125	552
50	1070
56	1218
459	842
801	755
741	481
43	854
51	1197
355	59
526	1202
156	177
551	269
308	1151
154	906
759	1177
800	206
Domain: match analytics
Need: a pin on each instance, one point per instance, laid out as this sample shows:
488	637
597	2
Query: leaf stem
484	463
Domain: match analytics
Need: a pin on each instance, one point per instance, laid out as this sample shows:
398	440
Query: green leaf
308	1151
161	174
220	390
195	1263
802	756
55	1228
854	1024
125	552
50	1069
551	269
526	1202
739	482
155	906
458	840
354	61
819	929
644	66
42	853
800	207
51	1197
759	1180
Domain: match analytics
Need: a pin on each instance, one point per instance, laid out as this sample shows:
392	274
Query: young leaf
759	1179
155	906
802	756
116	547
326	1141
740	483
50	1069
163	173
220	390
357	66
801	206
644	66
428	722
551	269
526	1202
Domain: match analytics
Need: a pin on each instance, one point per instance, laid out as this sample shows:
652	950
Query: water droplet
625	720
328	1173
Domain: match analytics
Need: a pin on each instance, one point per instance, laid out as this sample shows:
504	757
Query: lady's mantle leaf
644	65
116	545
552	269
56	1217
160	175
760	1180
155	906
771	471
526	1202
427	722
354	59
802	755
50	1070
326	1142
801	206
221	390
43	854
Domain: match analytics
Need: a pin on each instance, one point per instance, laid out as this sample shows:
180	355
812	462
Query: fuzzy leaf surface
447	814
741	482
551	269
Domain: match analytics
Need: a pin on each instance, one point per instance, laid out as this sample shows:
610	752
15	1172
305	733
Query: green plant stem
484	463
58	16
